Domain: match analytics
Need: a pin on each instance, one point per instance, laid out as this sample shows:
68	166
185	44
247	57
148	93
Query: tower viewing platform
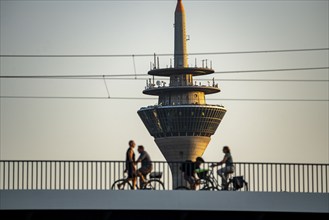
182	122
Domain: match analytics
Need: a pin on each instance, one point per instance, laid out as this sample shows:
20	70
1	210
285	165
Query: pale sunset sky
278	116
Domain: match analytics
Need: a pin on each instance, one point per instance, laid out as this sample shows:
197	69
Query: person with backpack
189	167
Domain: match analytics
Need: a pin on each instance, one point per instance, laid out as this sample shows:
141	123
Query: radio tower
181	123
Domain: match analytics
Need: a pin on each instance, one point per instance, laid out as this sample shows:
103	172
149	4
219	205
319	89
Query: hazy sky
257	131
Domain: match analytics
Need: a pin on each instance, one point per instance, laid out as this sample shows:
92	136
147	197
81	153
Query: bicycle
154	183
209	182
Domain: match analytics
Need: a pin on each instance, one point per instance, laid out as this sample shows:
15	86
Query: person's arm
220	162
141	157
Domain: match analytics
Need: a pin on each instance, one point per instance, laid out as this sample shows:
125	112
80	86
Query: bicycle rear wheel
121	184
154	185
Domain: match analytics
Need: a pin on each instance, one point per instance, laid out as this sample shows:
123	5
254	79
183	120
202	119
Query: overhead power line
198	79
136	75
145	98
159	54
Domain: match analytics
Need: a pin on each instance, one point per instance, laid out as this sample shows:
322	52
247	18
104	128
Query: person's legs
142	178
192	182
132	177
222	172
134	182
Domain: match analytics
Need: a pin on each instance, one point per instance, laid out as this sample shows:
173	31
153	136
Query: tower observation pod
181	123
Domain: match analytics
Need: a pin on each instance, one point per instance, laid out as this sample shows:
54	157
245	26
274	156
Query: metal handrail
101	174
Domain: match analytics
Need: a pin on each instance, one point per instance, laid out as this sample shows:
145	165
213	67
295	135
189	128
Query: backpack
238	182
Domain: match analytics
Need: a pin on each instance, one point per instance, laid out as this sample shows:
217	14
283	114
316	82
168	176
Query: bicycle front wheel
121	184
154	185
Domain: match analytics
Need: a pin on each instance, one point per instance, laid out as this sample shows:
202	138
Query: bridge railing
100	175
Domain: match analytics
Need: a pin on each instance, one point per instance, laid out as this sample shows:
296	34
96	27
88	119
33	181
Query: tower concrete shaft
180	36
181	123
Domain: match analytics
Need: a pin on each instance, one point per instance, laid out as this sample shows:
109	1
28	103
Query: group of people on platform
131	163
189	173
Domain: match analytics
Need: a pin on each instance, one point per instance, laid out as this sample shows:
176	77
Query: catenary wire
145	98
135	75
159	54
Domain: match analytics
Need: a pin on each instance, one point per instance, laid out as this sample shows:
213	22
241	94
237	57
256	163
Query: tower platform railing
100	175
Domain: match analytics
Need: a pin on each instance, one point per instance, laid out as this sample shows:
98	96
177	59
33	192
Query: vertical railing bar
92	175
46	174
69	176
41	174
321	179
276	177
55	176
64	165
83	171
8	175
327	177
289	178
262	177
280	176
32	185
27	174
37	175
60	175
78	173
114	171
23	170
18	163
285	176
87	175
74	175
271	178
253	176
295	184
298	174
106	162
110	177
51	175
4	175
101	175
13	183
41	163
244	170
249	176
239	170
303	177
312	178
317	179
308	179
